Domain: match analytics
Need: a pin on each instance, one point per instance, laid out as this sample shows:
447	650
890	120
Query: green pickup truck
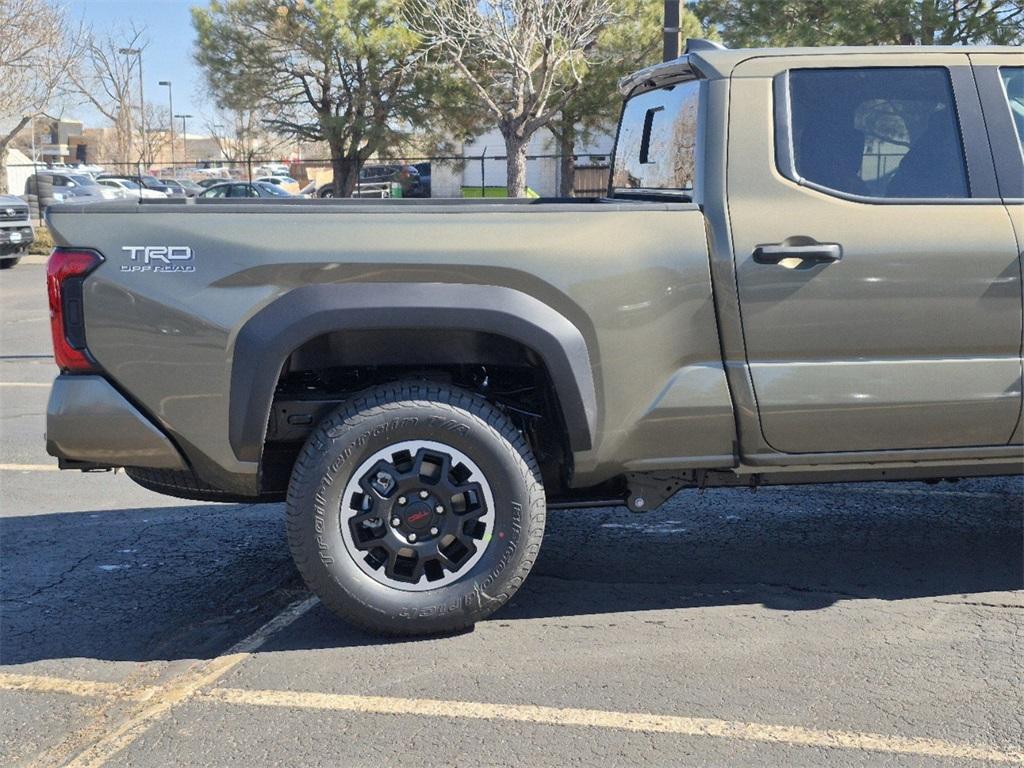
806	269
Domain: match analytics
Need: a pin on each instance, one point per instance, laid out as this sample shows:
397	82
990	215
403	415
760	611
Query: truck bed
632	276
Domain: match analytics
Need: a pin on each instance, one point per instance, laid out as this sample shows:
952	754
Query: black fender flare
265	340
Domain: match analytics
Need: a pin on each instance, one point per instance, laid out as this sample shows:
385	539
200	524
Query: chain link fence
433	176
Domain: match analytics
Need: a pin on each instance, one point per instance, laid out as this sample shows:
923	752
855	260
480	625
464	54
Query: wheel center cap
418	516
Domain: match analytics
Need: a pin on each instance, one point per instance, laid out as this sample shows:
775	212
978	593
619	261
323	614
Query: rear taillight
65	273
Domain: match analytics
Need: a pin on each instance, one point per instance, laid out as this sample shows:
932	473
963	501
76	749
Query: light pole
170	108
219	136
142	99
184	135
670	34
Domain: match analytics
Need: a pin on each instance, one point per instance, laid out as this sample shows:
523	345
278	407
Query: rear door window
1013	83
657	145
885	132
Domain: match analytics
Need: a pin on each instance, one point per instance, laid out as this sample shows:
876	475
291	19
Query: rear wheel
415	509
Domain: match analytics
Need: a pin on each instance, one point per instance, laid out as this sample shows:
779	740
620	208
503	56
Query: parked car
188	187
273	169
49	187
238	189
287	183
760	298
211	182
424	186
181	187
144	180
16	233
129	188
377	181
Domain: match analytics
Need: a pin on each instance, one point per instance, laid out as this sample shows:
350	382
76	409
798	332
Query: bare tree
38	46
242	136
157	132
524	59
107	82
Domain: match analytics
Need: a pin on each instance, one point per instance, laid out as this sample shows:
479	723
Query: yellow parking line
182	688
86	688
188	687
627	721
29	468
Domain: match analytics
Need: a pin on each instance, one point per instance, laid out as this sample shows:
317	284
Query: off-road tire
371	422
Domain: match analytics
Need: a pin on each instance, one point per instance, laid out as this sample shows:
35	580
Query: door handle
803	255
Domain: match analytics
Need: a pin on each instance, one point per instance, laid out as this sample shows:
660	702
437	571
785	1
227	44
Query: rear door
1000	78
877	267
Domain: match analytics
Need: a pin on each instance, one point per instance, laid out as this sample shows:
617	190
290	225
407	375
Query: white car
129	188
287	183
273	169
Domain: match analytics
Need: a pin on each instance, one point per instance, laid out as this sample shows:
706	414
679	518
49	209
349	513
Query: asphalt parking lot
855	625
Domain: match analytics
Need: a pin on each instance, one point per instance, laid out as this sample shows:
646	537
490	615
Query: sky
168	26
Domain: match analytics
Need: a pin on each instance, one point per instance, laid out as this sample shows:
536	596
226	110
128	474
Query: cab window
657	145
885	132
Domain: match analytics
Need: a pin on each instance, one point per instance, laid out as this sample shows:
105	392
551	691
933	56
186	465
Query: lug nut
423	494
412	537
395	522
401	499
439	509
433	531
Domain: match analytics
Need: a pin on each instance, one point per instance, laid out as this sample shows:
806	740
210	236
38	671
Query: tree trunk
345	172
515	153
4	143
567	161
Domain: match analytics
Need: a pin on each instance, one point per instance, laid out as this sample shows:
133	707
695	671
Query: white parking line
41	385
29	468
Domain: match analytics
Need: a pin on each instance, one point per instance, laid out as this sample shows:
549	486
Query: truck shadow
189	581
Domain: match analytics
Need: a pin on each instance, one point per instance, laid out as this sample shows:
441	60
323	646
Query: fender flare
264	342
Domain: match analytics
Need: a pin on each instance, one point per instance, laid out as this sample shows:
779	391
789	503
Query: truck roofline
707	60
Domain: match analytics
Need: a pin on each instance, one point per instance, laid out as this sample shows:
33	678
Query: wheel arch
265	342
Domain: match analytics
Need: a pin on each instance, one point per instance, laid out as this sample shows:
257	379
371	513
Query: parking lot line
156	702
627	721
29	468
86	688
41	385
161	698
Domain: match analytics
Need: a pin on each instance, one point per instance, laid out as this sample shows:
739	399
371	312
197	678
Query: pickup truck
16	233
806	269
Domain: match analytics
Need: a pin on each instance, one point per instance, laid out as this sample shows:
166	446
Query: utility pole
170	112
184	134
671	32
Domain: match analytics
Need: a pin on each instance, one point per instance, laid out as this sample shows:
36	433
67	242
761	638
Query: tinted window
882	132
1013	81
216	191
657	147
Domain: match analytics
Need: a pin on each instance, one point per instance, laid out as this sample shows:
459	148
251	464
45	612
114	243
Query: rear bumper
89	422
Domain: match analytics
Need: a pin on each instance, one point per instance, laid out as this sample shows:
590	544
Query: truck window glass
1013	82
657	145
889	132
